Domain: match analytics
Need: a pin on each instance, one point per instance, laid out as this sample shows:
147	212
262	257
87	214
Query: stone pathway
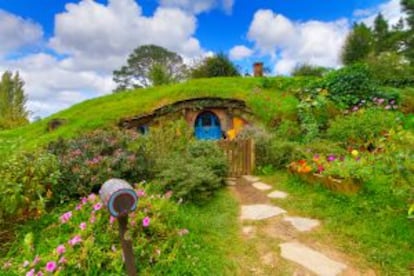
255	207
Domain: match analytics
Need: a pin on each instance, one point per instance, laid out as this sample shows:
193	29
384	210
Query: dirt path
278	243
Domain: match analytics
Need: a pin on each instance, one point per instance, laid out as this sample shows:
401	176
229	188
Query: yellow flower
355	153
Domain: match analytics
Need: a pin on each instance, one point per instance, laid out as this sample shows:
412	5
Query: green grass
214	241
373	228
107	111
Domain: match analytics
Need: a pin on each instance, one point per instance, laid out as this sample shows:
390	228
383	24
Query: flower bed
342	174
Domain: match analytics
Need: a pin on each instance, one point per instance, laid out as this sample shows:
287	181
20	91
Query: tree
216	66
408	7
13	110
381	34
146	63
309	70
358	44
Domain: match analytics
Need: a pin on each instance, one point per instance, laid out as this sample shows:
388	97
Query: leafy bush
361	128
309	70
88	161
84	240
277	153
288	130
195	174
349	85
26	184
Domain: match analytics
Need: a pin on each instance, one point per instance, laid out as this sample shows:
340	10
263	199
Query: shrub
27	181
196	174
89	160
309	70
349	85
288	130
361	128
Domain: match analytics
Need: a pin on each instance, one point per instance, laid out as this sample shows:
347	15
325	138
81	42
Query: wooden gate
240	155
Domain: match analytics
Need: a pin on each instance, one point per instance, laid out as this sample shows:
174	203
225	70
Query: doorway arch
207	126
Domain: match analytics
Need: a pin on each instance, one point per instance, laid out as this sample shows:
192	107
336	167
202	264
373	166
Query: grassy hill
267	98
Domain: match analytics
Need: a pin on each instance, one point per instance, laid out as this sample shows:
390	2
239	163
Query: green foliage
349	85
26	182
277	153
89	160
288	130
149	65
309	70
381	34
13	110
196	174
358	44
360	129
216	66
408	7
391	69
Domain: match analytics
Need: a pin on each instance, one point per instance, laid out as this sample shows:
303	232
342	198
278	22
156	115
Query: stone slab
277	194
262	186
311	259
260	211
302	224
250	178
231	183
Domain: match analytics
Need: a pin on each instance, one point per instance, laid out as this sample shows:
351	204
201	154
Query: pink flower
97	206
31	272
65	217
133	223
82	226
40	273
84	200
60	249
62	260
168	194
36	260
75	240
92	219
140	193
78	207
146	222
91	197
112	219
51	266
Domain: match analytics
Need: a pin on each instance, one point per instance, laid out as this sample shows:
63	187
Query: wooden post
127	247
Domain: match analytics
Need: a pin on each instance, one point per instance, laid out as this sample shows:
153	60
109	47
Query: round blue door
207	127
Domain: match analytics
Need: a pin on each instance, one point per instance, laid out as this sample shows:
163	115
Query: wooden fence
240	155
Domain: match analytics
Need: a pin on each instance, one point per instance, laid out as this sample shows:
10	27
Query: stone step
311	259
248	179
277	194
302	224
260	211
262	186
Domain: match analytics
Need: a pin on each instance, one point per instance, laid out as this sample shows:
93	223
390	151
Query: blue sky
67	50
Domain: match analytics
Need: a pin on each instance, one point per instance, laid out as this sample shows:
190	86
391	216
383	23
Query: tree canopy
218	65
149	65
13	110
358	44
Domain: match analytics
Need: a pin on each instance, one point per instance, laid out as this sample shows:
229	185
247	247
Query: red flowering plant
85	240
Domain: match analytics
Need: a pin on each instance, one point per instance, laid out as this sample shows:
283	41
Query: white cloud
51	87
391	10
199	6
16	32
240	52
291	43
100	37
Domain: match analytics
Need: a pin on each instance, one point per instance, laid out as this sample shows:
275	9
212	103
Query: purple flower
60	249
380	100
140	193
51	266
331	158
84	200
146	222
36	260
91	197
355	108
392	101
62	260
112	219
40	273
65	217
